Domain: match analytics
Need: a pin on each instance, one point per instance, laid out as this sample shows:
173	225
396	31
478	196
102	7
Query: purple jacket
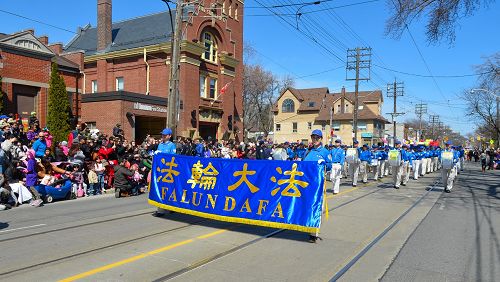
30	135
31	176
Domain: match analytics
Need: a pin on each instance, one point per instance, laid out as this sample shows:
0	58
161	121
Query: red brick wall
133	69
25	68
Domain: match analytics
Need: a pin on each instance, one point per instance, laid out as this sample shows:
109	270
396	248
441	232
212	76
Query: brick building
299	111
25	66
126	68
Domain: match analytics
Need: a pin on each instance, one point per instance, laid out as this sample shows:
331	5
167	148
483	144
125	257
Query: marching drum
447	160
394	157
351	155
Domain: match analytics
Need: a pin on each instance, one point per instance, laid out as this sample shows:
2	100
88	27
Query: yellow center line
138	257
165	248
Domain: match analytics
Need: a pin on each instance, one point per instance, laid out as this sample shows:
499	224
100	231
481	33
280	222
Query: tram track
382	186
71	227
215	257
152	235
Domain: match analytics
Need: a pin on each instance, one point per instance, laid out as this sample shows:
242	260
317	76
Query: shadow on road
3	225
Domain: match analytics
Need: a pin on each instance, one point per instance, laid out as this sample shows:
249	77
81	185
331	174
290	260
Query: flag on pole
224	89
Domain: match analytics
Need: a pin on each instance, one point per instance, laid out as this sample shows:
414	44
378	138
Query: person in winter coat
31	178
122	180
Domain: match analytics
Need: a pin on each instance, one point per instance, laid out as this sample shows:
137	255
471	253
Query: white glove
320	161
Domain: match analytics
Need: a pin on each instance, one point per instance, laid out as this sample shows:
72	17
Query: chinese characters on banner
280	194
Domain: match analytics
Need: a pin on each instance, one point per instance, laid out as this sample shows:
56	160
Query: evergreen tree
58	116
1	96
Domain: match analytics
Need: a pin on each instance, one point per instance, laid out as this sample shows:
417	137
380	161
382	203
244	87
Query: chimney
104	21
342	101
44	39
57	48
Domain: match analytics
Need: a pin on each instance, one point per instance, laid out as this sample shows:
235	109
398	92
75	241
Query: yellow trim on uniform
236	219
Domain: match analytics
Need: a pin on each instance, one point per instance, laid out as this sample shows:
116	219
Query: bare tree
261	88
482	106
442	16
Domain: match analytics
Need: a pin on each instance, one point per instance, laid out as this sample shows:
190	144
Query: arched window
210	47
288	106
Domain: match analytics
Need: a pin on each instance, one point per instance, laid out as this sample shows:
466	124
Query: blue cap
365	145
287	143
398	142
405	146
356	142
448	143
374	146
317	132
338	141
166	131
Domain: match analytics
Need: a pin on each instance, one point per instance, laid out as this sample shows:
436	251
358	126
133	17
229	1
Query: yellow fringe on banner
236	219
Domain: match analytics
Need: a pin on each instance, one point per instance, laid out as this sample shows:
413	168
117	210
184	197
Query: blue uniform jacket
290	153
338	155
300	153
167	147
365	156
320	153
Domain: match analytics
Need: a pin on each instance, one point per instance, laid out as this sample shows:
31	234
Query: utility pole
358	59
173	96
394	90
433	120
331	125
420	109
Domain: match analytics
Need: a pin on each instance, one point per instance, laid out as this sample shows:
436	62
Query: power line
430	76
37	21
308	12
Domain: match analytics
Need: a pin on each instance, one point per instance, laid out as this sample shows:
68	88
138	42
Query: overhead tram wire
291	4
307	36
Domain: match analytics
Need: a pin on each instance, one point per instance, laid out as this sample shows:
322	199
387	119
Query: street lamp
498	110
298	13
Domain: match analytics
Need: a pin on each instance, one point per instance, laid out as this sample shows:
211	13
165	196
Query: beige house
297	112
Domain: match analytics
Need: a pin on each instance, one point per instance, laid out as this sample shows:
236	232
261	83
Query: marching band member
338	158
352	157
449	159
384	165
319	154
407	164
365	158
417	162
375	162
166	146
397	164
423	160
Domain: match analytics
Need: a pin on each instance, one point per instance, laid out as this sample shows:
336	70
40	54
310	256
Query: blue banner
280	194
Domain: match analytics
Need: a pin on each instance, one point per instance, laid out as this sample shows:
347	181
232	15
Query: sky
289	48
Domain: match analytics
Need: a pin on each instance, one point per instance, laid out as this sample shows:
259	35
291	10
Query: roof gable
26	41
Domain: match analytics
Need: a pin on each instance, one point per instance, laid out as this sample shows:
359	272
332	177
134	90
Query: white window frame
323	127
211	48
117	83
278	127
93	86
295	127
309	125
